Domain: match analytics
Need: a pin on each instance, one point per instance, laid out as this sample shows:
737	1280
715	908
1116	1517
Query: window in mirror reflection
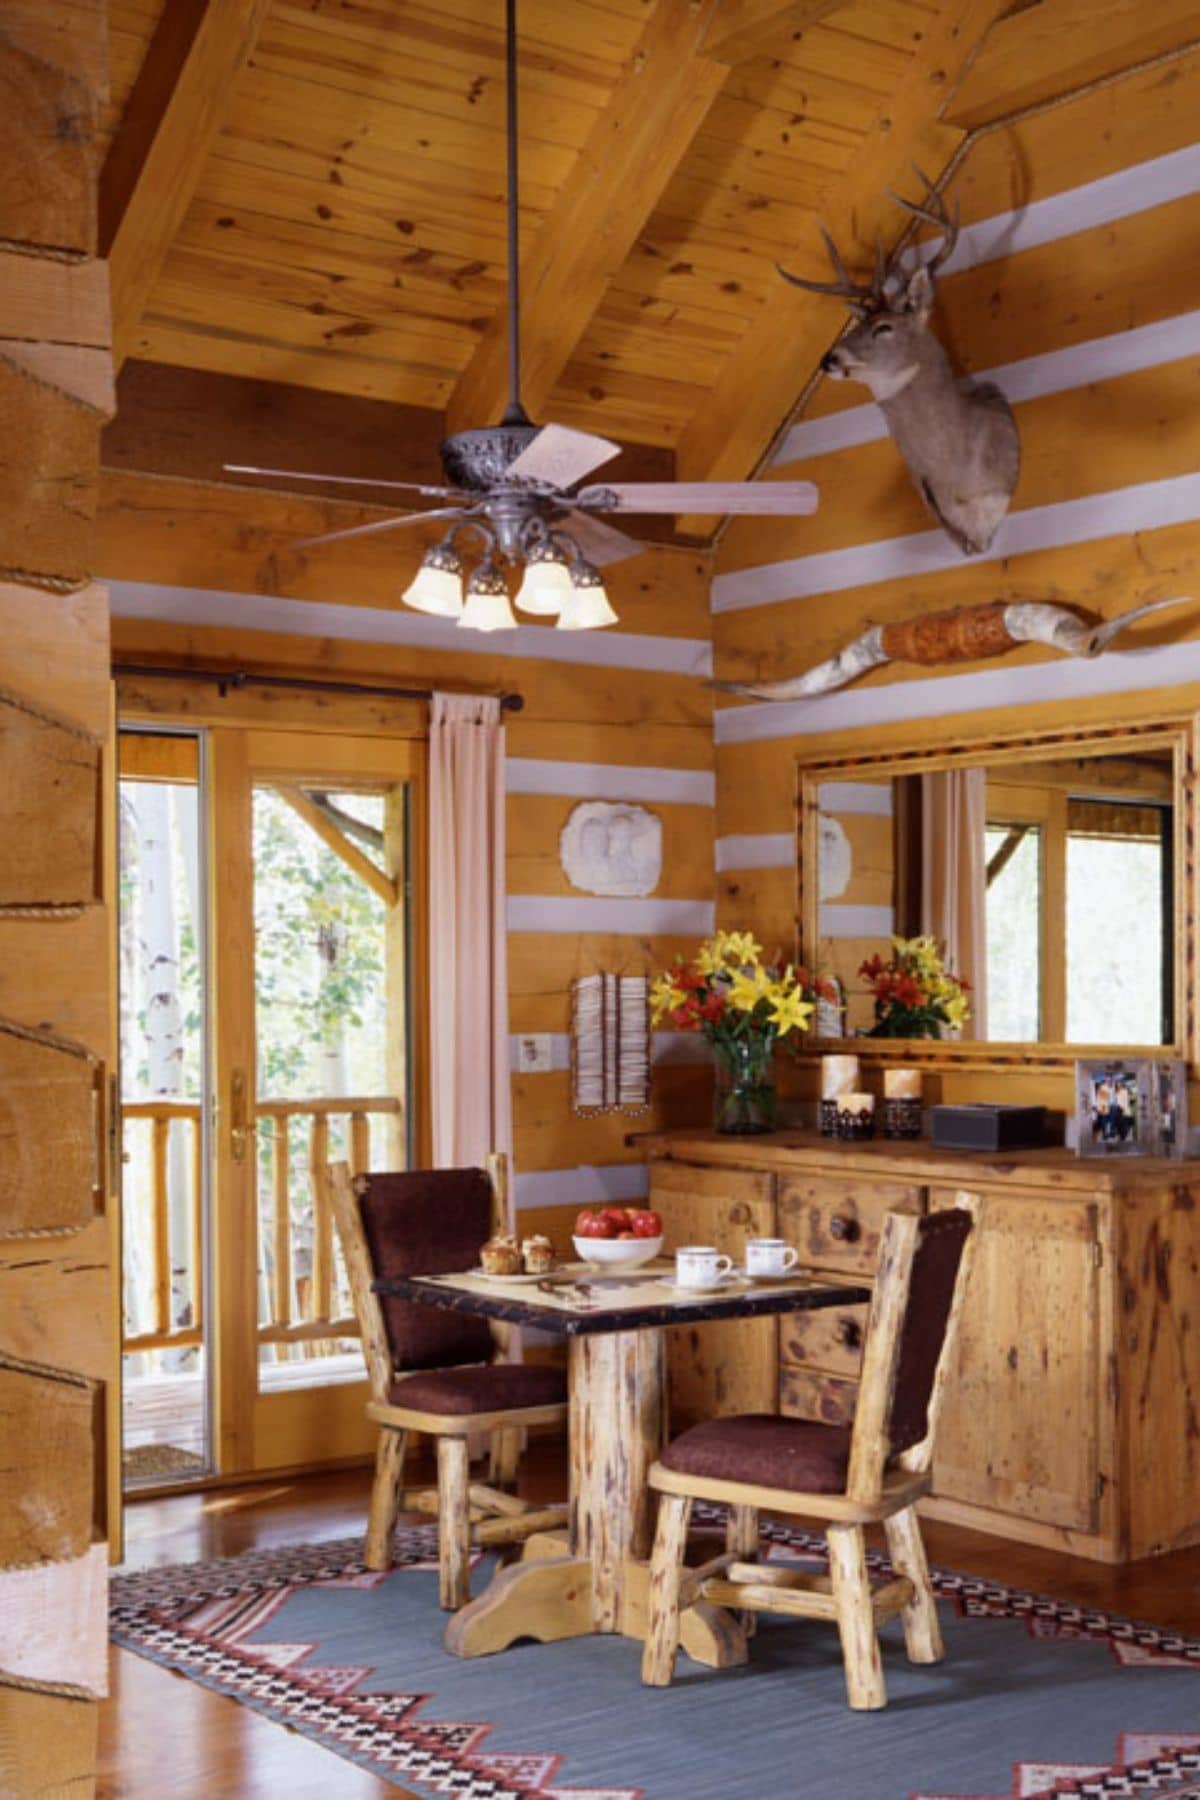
1014	905
1115	968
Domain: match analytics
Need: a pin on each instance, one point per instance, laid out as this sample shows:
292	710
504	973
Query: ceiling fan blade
599	542
413	487
790	497
560	456
330	537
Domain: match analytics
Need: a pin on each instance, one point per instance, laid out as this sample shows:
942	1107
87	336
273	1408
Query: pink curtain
954	878
468	947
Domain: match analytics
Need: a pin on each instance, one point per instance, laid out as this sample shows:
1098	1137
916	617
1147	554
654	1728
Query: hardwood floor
218	1747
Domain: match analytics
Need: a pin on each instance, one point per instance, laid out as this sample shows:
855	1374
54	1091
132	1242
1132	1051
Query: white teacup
770	1256
701	1266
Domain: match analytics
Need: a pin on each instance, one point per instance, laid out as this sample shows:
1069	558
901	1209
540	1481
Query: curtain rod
239	678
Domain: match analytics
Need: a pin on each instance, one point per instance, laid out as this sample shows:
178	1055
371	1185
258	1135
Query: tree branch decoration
610	1044
962	634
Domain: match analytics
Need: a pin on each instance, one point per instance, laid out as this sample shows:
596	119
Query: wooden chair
438	1371
850	1476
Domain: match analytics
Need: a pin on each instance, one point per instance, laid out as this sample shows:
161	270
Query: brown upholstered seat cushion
942	1237
428	1222
764	1450
493	1387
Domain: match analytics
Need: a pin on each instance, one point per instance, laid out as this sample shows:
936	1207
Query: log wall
56	1325
1072	291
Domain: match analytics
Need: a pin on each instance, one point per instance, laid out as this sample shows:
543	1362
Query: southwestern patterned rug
1036	1698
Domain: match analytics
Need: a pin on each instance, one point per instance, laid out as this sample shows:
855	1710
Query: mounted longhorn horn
959	441
964	634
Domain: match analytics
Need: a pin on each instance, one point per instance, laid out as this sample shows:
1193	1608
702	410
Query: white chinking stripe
379	625
635	918
856	921
757	850
610	781
931	697
590	1184
1051	372
667	1047
1147	506
856	797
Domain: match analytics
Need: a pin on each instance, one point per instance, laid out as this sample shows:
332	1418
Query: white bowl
625	1253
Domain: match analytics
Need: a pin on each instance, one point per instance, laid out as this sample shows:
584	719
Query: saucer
505	1280
726	1281
792	1274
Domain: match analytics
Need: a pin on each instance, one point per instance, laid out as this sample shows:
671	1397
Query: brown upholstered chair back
428	1222
941	1240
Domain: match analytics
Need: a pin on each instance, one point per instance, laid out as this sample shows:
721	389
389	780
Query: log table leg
599	1581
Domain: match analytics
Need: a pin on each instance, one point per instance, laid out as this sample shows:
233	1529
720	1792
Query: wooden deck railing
302	1307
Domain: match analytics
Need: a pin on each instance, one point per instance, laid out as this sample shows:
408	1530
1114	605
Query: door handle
240	1128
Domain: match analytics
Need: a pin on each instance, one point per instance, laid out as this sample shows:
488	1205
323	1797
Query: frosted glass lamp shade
588	608
437	586
487	607
547	584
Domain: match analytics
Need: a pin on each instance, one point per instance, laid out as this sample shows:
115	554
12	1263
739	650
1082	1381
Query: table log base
596	1578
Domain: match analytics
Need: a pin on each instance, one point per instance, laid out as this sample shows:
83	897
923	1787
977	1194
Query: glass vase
744	1095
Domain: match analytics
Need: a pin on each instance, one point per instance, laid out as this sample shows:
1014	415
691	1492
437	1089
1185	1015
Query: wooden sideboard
1073	1417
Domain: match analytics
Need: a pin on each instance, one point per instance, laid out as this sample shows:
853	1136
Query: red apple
646	1224
594	1222
619	1217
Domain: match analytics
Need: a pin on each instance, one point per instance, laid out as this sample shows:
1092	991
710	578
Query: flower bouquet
914	992
741	1005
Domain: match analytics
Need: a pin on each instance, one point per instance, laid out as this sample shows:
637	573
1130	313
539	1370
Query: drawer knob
845	1230
850	1333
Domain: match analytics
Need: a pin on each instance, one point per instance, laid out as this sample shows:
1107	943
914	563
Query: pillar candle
902	1084
856	1103
839	1075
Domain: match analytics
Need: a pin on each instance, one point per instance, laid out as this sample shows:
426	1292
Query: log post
618	1399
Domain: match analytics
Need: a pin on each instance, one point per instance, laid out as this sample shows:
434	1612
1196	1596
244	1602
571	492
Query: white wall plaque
836	859
611	848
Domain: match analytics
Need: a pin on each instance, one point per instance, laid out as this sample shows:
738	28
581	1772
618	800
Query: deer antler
933	212
862	298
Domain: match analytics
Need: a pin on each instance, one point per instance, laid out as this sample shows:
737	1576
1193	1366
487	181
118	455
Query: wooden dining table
595	1576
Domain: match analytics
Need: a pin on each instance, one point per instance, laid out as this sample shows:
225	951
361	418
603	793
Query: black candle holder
828	1118
855	1126
902	1116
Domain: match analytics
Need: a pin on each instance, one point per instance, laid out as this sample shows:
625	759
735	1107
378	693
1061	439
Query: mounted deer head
960	443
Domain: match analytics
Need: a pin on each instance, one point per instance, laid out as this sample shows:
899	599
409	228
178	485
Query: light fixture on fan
519	486
558	579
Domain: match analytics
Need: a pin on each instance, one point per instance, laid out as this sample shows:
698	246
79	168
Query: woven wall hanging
610	1044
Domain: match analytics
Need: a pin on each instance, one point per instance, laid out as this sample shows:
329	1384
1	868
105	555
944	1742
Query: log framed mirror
1058	869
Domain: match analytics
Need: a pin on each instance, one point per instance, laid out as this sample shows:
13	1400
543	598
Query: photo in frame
1170	1108
1116	1110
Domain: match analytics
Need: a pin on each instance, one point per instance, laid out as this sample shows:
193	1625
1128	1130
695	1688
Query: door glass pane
1115	938
1014	905
162	1070
330	953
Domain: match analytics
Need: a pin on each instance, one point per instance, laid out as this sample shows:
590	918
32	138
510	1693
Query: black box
987	1127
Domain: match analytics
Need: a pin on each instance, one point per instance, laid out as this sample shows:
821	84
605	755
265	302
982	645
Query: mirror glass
1051	882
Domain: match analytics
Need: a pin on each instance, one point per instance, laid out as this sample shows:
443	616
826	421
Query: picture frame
1170	1108
1116	1110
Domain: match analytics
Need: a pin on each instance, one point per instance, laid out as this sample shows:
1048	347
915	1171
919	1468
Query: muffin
538	1253
500	1256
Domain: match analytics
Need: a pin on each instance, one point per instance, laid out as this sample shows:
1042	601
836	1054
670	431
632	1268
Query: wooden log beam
741	29
156	159
729	437
631	153
319	822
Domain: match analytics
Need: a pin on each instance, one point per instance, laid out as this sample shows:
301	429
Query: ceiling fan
515	486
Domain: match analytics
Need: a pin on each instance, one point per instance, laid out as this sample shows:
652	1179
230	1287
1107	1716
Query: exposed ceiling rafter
156	159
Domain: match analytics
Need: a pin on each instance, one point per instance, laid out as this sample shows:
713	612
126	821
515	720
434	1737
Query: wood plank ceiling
315	198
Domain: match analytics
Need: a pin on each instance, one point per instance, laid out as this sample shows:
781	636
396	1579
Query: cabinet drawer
810	1394
712	1206
835	1223
830	1339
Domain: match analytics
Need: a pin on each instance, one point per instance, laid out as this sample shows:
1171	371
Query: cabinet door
1019	1425
720	1367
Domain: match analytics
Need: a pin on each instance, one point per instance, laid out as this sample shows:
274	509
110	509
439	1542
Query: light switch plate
533	1053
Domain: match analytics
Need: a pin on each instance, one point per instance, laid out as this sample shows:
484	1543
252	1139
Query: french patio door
308	1000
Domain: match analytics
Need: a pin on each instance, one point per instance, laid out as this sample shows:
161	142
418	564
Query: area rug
1036	1698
